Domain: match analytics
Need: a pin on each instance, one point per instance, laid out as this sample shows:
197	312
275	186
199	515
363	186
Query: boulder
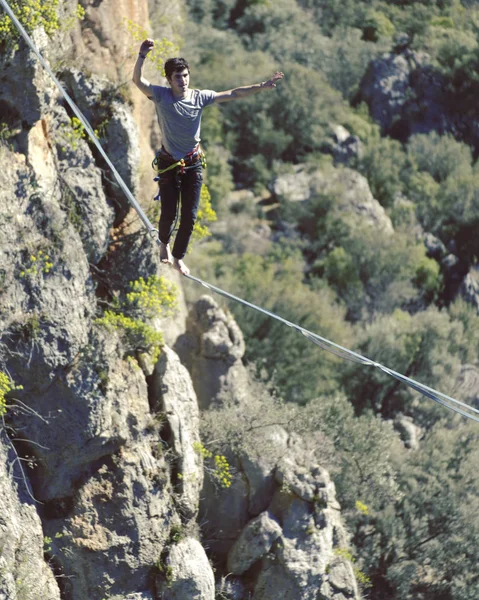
211	349
254	542
354	201
174	397
87	412
189	574
407	95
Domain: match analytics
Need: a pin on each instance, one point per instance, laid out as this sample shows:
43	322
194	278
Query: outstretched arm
141	83
248	90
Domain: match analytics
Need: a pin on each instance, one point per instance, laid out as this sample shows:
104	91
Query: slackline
447	401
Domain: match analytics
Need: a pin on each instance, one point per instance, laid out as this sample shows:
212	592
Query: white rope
446	401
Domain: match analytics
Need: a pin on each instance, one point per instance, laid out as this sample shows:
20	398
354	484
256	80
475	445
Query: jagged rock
175	398
190	575
232	588
79	183
24	574
410	433
211	349
345	146
355	203
223	513
259	467
469	288
435	248
254	542
466	387
134	254
386	85
407	95
113	532
307	510
99	403
48	298
118	129
25	88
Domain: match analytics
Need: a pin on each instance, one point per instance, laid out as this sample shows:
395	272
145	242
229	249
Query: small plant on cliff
33	14
206	214
154	297
216	465
37	263
5	387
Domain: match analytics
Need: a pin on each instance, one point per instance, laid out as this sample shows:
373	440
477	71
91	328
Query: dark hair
175	64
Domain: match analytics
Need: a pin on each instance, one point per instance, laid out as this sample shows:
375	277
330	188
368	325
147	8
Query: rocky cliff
102	484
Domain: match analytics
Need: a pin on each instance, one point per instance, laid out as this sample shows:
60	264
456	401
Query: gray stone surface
117	526
24	574
211	349
191	575
354	200
176	399
259	467
254	542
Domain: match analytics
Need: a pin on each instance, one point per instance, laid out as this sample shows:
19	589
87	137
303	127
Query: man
179	110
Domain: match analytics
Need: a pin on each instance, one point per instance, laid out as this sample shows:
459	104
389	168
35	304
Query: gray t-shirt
180	120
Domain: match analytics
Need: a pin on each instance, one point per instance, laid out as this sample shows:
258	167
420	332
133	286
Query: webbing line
443	399
446	401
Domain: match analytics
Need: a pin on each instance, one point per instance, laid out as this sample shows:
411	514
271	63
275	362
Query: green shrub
148	299
33	14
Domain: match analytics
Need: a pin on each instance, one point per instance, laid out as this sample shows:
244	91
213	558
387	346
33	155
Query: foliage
156	296
36	264
137	335
275	283
33	14
427	346
221	471
162	49
5	387
148	299
206	215
377	26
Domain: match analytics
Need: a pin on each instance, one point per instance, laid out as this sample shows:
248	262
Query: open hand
271	83
146	46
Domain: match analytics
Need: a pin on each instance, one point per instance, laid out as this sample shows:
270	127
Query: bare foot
165	253
180	266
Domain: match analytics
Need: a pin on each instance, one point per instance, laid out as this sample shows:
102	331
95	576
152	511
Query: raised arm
141	83
248	90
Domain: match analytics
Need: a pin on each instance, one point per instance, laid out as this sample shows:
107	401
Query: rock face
189	573
94	424
354	200
406	95
110	430
24	574
277	529
212	349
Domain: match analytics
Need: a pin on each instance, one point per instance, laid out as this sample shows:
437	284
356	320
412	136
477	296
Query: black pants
173	186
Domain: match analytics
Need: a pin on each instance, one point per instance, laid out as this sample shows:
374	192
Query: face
179	82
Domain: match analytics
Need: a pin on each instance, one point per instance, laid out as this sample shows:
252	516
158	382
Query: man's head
175	64
177	71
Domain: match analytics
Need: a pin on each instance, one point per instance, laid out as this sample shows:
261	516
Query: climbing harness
189	161
447	401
